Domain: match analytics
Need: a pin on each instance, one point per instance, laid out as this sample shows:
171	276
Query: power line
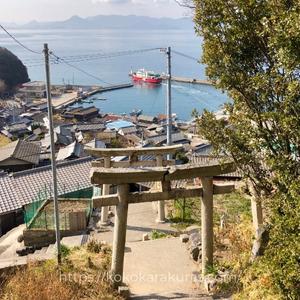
18	42
186	55
79	69
96	56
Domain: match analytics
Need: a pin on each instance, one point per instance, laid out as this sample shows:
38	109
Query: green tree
12	71
251	49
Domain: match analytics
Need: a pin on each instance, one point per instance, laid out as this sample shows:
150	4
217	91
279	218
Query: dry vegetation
233	240
82	275
4	140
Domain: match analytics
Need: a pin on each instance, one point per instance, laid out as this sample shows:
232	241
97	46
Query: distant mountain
113	22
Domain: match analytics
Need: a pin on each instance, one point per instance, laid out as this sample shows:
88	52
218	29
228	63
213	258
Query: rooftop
22	188
34	84
25	151
117	125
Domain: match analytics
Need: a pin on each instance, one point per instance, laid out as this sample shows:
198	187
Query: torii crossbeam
122	177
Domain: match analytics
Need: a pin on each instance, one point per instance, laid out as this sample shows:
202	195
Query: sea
112	69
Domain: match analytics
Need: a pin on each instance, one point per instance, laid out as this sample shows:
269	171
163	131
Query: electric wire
96	56
185	55
18	42
78	69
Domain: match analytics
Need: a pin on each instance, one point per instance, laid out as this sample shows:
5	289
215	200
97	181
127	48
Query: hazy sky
19	11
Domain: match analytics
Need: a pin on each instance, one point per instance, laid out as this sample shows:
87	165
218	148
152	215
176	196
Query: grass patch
65	251
184	212
155	235
82	275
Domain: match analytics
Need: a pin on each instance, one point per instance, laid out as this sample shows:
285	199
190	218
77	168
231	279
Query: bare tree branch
186	3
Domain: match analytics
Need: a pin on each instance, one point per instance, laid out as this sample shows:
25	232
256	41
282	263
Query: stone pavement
141	220
155	269
161	269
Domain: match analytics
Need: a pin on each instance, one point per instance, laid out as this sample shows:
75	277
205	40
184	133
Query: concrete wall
43	238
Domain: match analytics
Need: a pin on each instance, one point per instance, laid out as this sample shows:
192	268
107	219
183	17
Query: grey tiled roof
176	137
89	127
22	150
23	188
74	149
128	130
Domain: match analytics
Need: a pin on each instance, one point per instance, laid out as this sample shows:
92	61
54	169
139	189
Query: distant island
111	22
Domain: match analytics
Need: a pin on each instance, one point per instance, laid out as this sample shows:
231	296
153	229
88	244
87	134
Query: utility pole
53	162
169	102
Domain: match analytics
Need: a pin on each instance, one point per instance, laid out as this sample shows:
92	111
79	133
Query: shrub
94	246
158	235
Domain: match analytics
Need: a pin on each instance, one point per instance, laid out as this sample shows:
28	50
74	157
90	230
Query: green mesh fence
36	216
32	208
44	219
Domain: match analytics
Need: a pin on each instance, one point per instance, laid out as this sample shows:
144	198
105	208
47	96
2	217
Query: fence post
45	213
207	233
119	235
106	189
256	209
161	218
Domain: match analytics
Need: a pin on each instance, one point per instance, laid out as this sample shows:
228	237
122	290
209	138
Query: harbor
190	80
79	93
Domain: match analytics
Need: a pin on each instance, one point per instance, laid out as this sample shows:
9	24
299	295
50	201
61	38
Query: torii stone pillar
207	233
161	217
119	235
106	189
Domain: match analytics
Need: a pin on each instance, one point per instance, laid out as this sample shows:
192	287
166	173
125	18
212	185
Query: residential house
127	130
95	143
19	155
92	127
107	136
147	119
119	124
72	151
177	138
16	130
82	114
133	140
32	90
23	188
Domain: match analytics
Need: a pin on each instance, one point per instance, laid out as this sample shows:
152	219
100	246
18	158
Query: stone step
37	252
170	295
43	250
76	240
51	249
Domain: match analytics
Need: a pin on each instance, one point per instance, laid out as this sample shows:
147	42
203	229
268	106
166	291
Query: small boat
88	101
146	76
136	112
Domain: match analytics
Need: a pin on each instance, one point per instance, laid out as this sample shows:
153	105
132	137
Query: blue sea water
151	99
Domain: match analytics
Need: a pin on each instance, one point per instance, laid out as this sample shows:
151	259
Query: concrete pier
190	80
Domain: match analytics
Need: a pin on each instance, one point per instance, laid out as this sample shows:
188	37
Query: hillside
12	71
113	22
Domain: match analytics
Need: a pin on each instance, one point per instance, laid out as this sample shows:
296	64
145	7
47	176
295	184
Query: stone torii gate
134	155
123	177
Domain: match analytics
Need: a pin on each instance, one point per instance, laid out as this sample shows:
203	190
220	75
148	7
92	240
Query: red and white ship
146	76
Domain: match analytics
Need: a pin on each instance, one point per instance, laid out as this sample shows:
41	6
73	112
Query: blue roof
119	124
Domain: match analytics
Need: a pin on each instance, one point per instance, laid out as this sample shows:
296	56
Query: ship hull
143	77
148	80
